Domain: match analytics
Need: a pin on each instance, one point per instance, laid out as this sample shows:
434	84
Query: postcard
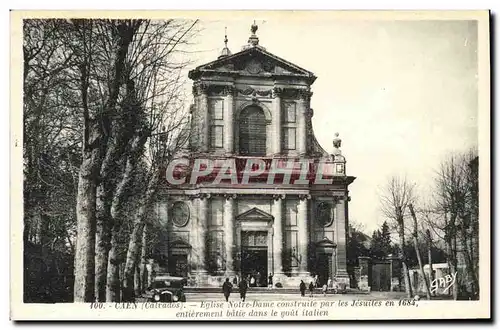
250	165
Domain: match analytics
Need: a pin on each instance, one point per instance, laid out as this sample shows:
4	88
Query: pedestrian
329	282
316	280
302	288
252	281
243	289
311	289
270	281
335	286
227	287
258	279
325	289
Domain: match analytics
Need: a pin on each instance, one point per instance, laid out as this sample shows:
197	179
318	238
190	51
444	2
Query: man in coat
227	287
243	287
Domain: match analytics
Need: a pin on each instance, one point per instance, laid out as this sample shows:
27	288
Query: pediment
252	61
180	244
326	243
255	214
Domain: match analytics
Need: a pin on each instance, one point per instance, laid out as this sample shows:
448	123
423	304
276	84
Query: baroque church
254	104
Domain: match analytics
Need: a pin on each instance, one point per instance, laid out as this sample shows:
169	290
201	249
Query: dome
225	52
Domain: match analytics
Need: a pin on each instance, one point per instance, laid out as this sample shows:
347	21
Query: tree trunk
402	257
137	281
142	270
417	251
103	239
113	273
135	243
429	255
86	221
131	262
116	211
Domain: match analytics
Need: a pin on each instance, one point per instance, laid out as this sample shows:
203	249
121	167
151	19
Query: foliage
380	246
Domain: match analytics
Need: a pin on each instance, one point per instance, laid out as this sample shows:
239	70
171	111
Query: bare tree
395	199
456	200
417	251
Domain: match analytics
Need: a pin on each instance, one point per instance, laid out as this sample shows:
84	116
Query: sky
401	94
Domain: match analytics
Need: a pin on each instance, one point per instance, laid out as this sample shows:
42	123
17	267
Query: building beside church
255	105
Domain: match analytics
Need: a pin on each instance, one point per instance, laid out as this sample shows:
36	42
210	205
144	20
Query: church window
252	132
217	136
290	112
216	131
289	138
289	126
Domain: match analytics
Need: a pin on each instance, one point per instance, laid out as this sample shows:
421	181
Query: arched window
252	132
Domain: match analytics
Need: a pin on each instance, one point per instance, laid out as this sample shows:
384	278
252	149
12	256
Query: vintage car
167	289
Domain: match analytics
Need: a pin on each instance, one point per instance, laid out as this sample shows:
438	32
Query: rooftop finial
336	144
225	51
253	40
254	27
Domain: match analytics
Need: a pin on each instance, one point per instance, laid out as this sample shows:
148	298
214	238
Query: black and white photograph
267	165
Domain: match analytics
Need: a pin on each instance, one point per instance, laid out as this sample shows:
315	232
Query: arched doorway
252	131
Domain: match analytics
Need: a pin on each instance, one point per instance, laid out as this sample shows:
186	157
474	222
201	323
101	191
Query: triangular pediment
252	61
255	214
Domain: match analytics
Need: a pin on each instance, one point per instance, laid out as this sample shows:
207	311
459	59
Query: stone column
302	111
278	234
205	118
340	226
303	235
228	120
229	233
276	120
201	267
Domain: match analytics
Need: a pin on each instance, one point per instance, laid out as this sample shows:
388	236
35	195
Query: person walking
243	287
325	289
252	281
270	281
227	287
302	288
335	286
311	289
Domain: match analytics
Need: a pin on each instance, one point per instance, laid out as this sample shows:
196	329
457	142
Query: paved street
251	296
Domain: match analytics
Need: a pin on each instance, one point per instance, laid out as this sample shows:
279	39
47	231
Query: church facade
250	108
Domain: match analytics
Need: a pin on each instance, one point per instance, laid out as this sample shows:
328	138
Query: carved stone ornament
200	88
277	92
230	196
279	196
251	91
324	214
304	197
304	95
253	67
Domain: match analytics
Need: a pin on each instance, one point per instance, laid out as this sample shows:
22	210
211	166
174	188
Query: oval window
180	214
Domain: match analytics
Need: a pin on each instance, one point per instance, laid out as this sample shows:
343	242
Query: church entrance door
324	267
254	256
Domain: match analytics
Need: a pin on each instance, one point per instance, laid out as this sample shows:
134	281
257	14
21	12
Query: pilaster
303	241
277	211
229	120
229	233
276	120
